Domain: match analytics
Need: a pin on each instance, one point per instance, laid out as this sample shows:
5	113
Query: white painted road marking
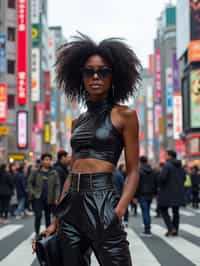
7	230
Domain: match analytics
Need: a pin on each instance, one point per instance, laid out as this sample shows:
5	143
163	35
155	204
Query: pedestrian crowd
171	185
27	189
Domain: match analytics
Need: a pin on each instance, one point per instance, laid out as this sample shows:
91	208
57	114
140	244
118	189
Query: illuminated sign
22	52
3	102
35	75
22	129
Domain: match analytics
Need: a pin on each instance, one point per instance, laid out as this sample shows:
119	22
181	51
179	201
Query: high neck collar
99	106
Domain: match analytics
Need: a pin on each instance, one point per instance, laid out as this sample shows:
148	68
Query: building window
11	3
11	67
11	101
11	34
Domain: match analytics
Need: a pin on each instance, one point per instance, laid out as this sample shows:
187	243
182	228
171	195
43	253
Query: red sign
22	129
22	51
40	116
151	64
3	102
158	80
47	92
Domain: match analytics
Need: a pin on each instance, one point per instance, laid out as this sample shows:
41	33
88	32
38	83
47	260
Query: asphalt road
184	250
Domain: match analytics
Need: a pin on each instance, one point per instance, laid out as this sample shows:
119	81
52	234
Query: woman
89	215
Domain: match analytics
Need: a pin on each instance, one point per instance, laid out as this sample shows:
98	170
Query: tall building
188	51
14	79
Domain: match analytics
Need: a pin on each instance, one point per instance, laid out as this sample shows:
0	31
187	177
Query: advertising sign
151	64
36	34
195	19
149	93
158	80
53	104
22	29
53	133
150	124
22	129
158	114
47	92
3	52
40	115
3	102
195	99
194	51
35	82
175	73
47	133
35	11
169	90
177	116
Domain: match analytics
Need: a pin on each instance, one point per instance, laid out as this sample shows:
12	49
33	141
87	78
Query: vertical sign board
175	73
195	99
22	129
40	115
22	29
3	102
47	93
177	115
35	75
3	52
158	80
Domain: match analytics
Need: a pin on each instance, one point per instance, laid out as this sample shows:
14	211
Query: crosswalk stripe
190	229
21	254
182	212
7	230
141	256
182	246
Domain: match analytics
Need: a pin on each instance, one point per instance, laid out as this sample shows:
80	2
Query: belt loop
91	182
78	182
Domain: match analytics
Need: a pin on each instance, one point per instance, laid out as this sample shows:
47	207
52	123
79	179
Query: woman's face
97	77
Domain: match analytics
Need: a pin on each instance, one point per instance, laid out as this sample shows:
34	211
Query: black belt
91	182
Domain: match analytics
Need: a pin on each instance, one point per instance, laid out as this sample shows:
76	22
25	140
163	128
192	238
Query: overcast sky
134	20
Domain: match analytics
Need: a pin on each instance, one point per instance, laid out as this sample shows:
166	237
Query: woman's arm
131	149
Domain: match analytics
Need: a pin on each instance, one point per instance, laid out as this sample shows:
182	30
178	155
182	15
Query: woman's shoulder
125	112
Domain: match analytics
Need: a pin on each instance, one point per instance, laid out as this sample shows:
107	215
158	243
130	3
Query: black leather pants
87	221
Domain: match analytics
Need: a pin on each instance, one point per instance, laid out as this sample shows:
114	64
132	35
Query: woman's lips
95	86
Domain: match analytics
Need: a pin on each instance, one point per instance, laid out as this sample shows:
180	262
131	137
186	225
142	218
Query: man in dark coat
171	193
145	192
61	166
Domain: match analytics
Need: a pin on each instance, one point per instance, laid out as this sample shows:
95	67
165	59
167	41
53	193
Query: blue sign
53	104
3	61
169	100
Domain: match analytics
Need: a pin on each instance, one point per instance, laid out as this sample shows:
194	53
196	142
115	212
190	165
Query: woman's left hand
119	212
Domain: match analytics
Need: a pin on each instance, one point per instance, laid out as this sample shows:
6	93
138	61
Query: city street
15	242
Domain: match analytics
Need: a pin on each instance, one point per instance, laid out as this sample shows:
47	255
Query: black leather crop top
94	135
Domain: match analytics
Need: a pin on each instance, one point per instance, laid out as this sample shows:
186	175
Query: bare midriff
91	165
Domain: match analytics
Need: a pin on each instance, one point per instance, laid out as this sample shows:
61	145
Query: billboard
22	29
194	51
169	90
22	129
177	115
3	52
36	34
182	27
3	102
35	75
40	115
195	19
47	93
158	78
195	99
35	11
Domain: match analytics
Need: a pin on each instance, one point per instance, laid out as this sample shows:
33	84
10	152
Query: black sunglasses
101	72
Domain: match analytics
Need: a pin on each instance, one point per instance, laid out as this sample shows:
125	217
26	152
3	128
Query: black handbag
47	251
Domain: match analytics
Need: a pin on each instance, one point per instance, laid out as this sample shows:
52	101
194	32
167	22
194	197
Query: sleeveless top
94	135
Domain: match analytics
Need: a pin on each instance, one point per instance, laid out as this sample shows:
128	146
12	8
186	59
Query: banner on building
53	104
53	133
36	34
151	64
158	114
169	90
40	115
47	133
150	134
158	78
194	51
35	75
3	53
22	29
177	116
149	93
3	102
195	19
35	11
175	73
22	129
195	99
47	93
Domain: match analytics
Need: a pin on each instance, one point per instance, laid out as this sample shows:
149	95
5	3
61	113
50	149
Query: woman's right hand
47	232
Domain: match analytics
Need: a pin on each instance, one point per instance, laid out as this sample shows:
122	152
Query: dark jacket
195	179
21	185
6	184
171	183
35	185
62	172
147	182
